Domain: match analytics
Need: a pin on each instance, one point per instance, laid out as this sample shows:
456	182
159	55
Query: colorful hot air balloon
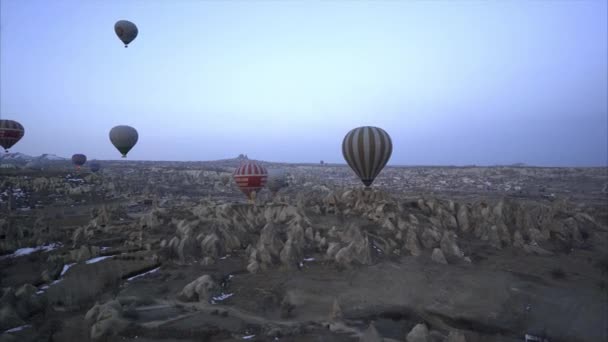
95	166
10	133
367	150
123	138
126	31
277	179
250	177
79	160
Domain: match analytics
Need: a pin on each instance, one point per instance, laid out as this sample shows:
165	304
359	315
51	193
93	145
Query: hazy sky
452	82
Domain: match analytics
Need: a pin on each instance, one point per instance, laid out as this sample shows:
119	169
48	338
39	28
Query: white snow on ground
105	248
221	297
309	259
143	274
97	259
17	328
224	257
30	250
66	268
248	337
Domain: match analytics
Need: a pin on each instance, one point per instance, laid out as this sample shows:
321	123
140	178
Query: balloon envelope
79	160
367	150
123	138
95	166
126	31
10	133
250	177
277	179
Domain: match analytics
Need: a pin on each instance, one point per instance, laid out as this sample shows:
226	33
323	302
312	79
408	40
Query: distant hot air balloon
79	160
126	31
250	178
95	166
10	133
277	179
367	150
123	138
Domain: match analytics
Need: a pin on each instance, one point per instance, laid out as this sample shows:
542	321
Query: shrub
558	273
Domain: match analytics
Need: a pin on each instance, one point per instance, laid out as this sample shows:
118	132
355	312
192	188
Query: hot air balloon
10	133
79	160
367	150
123	138
251	178
126	31
95	166
277	179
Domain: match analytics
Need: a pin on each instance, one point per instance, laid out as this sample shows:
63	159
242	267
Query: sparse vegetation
558	273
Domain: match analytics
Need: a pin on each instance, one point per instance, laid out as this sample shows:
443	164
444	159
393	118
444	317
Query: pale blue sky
452	82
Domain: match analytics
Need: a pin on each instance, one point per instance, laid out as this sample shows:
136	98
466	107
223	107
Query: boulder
438	256
456	336
9	318
210	246
449	247
201	289
518	240
106	320
430	238
371	334
336	311
412	244
419	333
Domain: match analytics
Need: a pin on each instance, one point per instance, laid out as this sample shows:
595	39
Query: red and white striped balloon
250	177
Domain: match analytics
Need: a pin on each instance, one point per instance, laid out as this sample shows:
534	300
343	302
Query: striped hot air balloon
79	160
367	149
250	177
10	133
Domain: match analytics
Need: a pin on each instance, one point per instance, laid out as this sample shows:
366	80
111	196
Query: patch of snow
30	250
51	157
66	268
143	274
97	259
309	259
221	297
224	257
56	281
17	328
248	337
531	338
